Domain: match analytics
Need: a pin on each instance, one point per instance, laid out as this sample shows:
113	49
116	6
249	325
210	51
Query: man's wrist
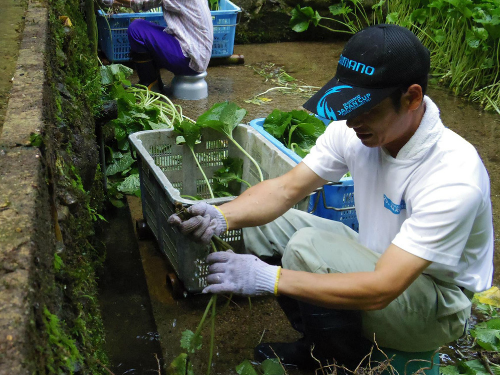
224	223
266	280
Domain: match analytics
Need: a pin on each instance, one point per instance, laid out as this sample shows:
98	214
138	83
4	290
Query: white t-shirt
432	200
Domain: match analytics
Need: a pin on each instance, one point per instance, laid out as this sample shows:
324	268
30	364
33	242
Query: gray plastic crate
168	172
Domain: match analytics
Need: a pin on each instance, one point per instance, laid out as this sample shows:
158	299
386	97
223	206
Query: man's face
381	126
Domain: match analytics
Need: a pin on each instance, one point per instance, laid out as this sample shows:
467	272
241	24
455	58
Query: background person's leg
147	37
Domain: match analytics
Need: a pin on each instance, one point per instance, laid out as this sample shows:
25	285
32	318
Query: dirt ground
239	328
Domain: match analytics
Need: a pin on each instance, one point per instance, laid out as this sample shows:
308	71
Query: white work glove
242	274
206	222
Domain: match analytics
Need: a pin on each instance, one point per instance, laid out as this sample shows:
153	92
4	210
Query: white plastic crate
168	172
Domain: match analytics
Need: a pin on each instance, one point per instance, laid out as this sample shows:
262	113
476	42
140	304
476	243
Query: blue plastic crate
334	201
224	23
113	38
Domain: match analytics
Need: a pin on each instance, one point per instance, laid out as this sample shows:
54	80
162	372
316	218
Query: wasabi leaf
487	334
120	165
180	366
276	123
190	132
223	117
272	367
131	185
449	370
475	367
190	341
227	179
246	368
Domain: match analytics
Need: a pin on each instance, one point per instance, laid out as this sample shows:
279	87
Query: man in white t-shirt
422	194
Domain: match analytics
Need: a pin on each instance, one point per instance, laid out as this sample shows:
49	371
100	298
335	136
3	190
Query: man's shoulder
453	160
455	150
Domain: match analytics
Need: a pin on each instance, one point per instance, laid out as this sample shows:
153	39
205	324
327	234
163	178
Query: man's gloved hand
242	274
206	222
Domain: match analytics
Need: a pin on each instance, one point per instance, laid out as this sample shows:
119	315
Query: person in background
184	47
422	193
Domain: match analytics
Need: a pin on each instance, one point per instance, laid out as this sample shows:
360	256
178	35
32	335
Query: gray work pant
429	314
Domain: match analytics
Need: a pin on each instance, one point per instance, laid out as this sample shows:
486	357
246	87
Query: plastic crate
168	172
113	38
224	23
334	201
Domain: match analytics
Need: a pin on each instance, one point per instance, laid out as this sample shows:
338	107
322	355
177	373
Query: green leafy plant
463	37
138	109
192	341
284	83
464	40
225	117
268	367
213	4
191	134
487	334
228	178
297	130
351	18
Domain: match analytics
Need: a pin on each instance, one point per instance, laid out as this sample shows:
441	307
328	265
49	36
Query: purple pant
145	36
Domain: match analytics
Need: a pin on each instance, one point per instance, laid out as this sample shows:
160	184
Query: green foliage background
462	35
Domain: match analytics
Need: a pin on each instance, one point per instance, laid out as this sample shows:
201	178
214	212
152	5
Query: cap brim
340	101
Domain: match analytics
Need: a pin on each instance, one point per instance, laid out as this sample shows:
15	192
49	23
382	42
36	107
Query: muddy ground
240	327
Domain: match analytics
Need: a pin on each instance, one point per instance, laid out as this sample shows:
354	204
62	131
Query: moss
67	331
63	353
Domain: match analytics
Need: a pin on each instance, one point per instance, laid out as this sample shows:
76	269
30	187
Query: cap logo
322	108
356	66
354	103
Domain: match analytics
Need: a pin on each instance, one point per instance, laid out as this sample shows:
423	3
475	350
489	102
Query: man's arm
270	199
394	272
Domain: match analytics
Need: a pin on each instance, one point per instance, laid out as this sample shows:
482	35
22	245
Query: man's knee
301	253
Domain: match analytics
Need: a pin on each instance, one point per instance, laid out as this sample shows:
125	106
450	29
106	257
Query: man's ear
413	97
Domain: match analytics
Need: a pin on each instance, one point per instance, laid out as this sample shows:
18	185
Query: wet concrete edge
23	194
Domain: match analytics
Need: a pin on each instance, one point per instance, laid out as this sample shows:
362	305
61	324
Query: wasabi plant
191	133
463	37
297	130
138	109
228	178
225	117
192	341
283	82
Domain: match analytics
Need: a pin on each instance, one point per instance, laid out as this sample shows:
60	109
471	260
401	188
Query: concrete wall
25	216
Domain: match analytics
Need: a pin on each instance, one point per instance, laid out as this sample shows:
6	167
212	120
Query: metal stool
189	87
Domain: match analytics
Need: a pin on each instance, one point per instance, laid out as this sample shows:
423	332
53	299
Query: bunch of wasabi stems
169	113
192	342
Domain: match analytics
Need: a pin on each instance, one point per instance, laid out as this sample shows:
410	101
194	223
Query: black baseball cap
375	62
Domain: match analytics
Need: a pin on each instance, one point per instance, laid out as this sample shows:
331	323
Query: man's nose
353	123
